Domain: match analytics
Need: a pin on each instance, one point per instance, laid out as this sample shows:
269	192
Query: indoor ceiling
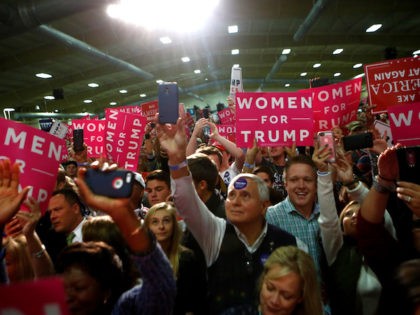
78	43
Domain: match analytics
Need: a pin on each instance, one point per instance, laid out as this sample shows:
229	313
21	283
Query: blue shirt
285	216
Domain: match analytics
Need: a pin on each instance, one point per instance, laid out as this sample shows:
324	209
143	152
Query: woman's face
350	219
84	294
161	225
280	295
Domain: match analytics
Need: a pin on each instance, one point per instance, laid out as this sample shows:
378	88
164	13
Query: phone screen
78	140
168	102
409	164
326	138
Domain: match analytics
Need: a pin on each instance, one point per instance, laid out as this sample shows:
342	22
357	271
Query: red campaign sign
226	116
393	82
150	109
93	135
130	109
37	152
274	119
335	104
227	131
405	122
123	138
40	297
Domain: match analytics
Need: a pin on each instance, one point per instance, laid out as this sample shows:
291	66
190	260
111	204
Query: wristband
351	185
381	187
321	173
178	166
249	165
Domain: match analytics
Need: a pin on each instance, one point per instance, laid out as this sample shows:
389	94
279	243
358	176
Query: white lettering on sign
339	92
403	118
274	135
389	75
49	309
291	102
339	121
282	119
37	144
21	163
397	86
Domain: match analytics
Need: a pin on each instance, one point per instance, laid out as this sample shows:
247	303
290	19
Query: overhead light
9	109
357	65
43	75
338	51
123	91
93	85
303	74
286	51
49	97
159	81
232	29
417	52
112	103
373	28
87	101
165	40
185	59
337	74
287	85
206	79
359	75
143	95
197	71
37	107
235	52
317	65
56	110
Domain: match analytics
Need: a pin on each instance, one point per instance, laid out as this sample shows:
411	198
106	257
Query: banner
274	119
405	122
150	109
335	104
93	135
226	116
38	154
227	131
393	82
123	138
40	297
130	109
235	82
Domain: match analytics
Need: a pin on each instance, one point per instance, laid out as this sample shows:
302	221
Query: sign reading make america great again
274	119
393	82
38	154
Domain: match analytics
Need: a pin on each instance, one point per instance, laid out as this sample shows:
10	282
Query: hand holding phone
409	164
326	138
168	102
114	184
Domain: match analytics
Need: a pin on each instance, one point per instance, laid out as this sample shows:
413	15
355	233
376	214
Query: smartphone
358	141
326	138
206	113
114	184
78	140
168	102
409	164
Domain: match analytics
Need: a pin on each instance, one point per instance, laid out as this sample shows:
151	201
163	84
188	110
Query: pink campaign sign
405	122
130	109
226	116
40	297
37	152
93	135
123	137
274	118
227	131
393	82
335	104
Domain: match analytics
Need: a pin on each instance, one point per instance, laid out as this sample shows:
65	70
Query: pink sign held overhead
123	138
335	104
227	131
150	109
41	297
226	116
274	119
93	135
393	82
38	154
405	122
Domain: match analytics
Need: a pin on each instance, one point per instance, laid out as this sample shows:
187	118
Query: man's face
157	191
276	151
266	178
71	170
243	204
64	216
301	185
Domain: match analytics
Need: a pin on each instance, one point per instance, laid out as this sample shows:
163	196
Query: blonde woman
190	278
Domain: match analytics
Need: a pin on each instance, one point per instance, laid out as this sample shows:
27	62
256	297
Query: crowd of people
210	228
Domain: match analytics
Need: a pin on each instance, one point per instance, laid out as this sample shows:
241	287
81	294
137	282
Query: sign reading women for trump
38	154
93	135
123	138
405	122
393	82
274	118
335	104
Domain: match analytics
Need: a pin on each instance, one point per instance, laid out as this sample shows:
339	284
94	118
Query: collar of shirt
78	232
253	247
291	208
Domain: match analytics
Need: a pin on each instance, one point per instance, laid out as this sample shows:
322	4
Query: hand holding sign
10	197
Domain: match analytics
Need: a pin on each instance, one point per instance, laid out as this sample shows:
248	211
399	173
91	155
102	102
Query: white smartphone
326	138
